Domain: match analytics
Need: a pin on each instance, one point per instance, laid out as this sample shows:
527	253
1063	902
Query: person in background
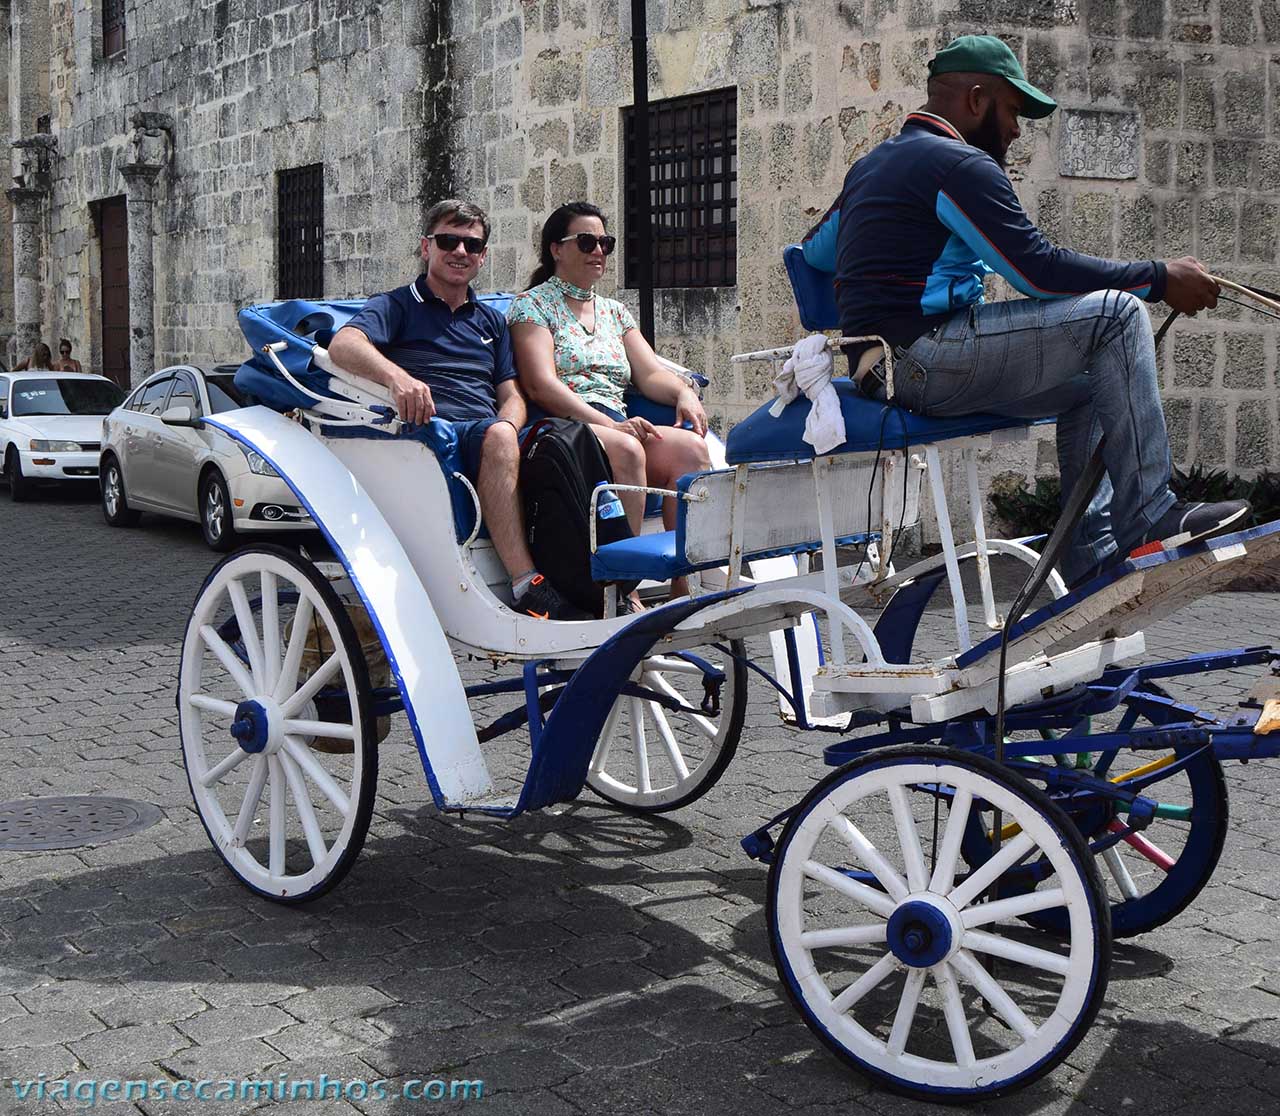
445	354
40	360
577	351
66	363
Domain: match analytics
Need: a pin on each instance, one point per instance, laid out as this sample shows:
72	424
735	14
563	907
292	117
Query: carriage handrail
693	498
347	413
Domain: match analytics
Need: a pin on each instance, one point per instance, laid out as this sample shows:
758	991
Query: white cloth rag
809	369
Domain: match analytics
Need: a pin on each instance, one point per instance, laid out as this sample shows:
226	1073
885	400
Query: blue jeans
1089	361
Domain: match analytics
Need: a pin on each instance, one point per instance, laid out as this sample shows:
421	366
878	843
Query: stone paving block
123	1045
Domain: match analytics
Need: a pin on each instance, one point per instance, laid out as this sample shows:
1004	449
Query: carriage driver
442	353
923	217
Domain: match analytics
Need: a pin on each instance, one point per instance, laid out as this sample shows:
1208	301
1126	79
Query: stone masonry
1187	159
1168	143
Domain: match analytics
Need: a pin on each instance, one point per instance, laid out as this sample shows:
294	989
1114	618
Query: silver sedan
159	456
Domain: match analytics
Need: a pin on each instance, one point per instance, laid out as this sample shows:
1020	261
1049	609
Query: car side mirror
179	416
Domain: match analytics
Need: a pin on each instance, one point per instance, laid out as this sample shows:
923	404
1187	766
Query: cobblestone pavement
575	960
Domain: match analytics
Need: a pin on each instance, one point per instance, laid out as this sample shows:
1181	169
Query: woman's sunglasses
587	242
447	242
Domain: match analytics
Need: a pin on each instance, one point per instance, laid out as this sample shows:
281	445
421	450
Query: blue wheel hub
919	934
250	727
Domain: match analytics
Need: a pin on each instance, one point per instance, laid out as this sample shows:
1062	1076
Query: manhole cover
71	822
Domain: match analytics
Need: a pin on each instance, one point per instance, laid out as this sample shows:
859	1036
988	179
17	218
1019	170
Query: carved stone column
27	203
147	157
140	184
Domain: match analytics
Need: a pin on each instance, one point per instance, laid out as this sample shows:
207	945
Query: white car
159	456
51	426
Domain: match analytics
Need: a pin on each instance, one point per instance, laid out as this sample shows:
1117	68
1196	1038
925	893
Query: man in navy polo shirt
443	353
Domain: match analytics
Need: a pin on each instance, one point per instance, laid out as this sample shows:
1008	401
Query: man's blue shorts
470	441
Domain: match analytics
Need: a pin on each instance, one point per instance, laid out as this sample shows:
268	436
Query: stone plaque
1094	143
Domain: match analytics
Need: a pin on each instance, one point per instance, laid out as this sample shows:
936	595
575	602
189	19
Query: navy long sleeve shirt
923	218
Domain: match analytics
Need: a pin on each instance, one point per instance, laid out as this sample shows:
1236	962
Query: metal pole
641	163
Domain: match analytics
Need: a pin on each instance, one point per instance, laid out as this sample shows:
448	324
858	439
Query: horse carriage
941	907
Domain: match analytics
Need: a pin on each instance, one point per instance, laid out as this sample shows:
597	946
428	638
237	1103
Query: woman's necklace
581	294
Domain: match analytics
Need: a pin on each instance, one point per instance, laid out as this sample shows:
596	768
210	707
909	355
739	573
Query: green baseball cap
985	54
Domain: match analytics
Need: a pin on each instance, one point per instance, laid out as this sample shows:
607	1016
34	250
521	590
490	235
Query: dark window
223	393
112	28
692	174
65	397
185	395
300	232
4	398
150	401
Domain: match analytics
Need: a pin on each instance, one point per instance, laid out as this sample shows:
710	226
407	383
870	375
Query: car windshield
223	394
65	397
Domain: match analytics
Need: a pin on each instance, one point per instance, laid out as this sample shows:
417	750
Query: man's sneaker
1188	523
542	600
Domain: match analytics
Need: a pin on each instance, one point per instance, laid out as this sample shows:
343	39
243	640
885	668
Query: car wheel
115	508
19	486
215	513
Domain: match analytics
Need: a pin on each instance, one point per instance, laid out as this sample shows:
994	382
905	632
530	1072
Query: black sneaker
540	599
1188	523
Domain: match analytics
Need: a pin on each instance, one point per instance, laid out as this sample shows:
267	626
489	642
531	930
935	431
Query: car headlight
258	464
42	445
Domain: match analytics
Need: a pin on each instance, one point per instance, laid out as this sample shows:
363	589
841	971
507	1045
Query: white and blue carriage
941	907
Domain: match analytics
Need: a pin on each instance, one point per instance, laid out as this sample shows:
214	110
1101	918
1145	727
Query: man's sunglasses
587	242
447	242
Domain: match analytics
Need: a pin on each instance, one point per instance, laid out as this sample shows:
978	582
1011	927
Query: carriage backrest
814	290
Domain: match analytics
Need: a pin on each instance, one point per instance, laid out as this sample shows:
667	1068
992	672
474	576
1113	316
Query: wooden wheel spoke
871	858
906	1013
302	756
248	631
207	704
908	838
981	914
707	727
605	742
1120	873
1023	954
288	680
1000	1001
674	755
276	820
232	760
869	981
233	666
313	685
838	936
270	630
333	729
953	1012
640	747
306	812
981	879
944	871
875	901
249	804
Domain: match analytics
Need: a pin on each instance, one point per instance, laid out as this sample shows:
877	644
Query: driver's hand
1189	286
412	399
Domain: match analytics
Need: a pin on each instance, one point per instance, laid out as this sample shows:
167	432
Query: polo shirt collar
423	294
935	123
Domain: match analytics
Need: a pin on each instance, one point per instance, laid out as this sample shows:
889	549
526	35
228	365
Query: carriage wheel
651	757
1153	875
288	818
888	950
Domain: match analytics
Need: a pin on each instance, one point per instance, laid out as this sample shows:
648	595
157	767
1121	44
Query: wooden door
113	237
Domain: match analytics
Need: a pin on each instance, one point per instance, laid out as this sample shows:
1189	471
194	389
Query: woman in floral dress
576	352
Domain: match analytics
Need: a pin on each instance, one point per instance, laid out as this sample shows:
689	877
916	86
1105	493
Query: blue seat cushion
647	557
869	426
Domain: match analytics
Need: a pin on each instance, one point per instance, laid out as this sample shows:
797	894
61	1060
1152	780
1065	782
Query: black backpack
561	462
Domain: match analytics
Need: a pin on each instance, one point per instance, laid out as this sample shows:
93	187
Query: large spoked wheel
287	816
659	754
888	948
1152	875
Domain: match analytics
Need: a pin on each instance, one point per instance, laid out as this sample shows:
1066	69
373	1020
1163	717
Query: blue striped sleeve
978	204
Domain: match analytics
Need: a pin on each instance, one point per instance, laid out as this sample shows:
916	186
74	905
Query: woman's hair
64	344
555	228
40	358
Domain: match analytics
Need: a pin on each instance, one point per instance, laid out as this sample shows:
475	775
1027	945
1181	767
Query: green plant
1207	485
1027	511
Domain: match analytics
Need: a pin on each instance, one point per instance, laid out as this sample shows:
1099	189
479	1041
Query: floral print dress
593	364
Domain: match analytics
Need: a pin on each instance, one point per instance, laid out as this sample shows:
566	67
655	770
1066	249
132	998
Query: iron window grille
112	28
300	232
692	175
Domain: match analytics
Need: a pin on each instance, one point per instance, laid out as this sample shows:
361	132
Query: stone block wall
254	87
1187	161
